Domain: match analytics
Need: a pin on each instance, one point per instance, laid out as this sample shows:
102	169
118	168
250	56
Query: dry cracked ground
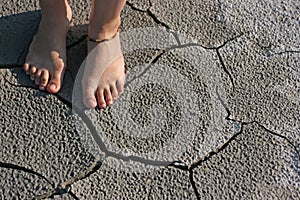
211	108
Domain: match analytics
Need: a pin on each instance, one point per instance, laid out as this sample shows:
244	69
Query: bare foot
46	59
104	73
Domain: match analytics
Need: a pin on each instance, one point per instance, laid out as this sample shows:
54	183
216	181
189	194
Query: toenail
52	87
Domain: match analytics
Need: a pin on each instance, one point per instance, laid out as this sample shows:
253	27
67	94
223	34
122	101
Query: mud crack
24	169
65	187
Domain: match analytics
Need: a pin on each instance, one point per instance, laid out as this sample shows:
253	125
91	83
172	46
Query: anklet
102	40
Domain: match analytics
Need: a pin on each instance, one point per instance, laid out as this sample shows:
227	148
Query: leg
45	61
102	88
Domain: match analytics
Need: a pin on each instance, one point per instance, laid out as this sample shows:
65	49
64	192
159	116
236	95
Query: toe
26	68
32	72
56	78
89	99
114	92
37	81
120	85
100	98
37	76
44	79
108	97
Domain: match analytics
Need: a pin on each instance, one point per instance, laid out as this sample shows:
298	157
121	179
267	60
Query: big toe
88	97
91	102
56	78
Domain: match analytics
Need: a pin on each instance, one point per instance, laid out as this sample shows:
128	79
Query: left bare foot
104	73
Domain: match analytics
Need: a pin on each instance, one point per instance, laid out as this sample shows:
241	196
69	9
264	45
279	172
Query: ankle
57	14
103	30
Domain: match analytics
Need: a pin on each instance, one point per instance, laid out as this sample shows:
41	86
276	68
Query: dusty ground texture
211	108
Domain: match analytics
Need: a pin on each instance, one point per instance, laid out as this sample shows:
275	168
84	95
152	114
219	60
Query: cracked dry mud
223	84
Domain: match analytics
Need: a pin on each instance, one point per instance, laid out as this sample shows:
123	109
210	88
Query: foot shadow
16	33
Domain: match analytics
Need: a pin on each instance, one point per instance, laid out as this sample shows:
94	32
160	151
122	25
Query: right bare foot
46	59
